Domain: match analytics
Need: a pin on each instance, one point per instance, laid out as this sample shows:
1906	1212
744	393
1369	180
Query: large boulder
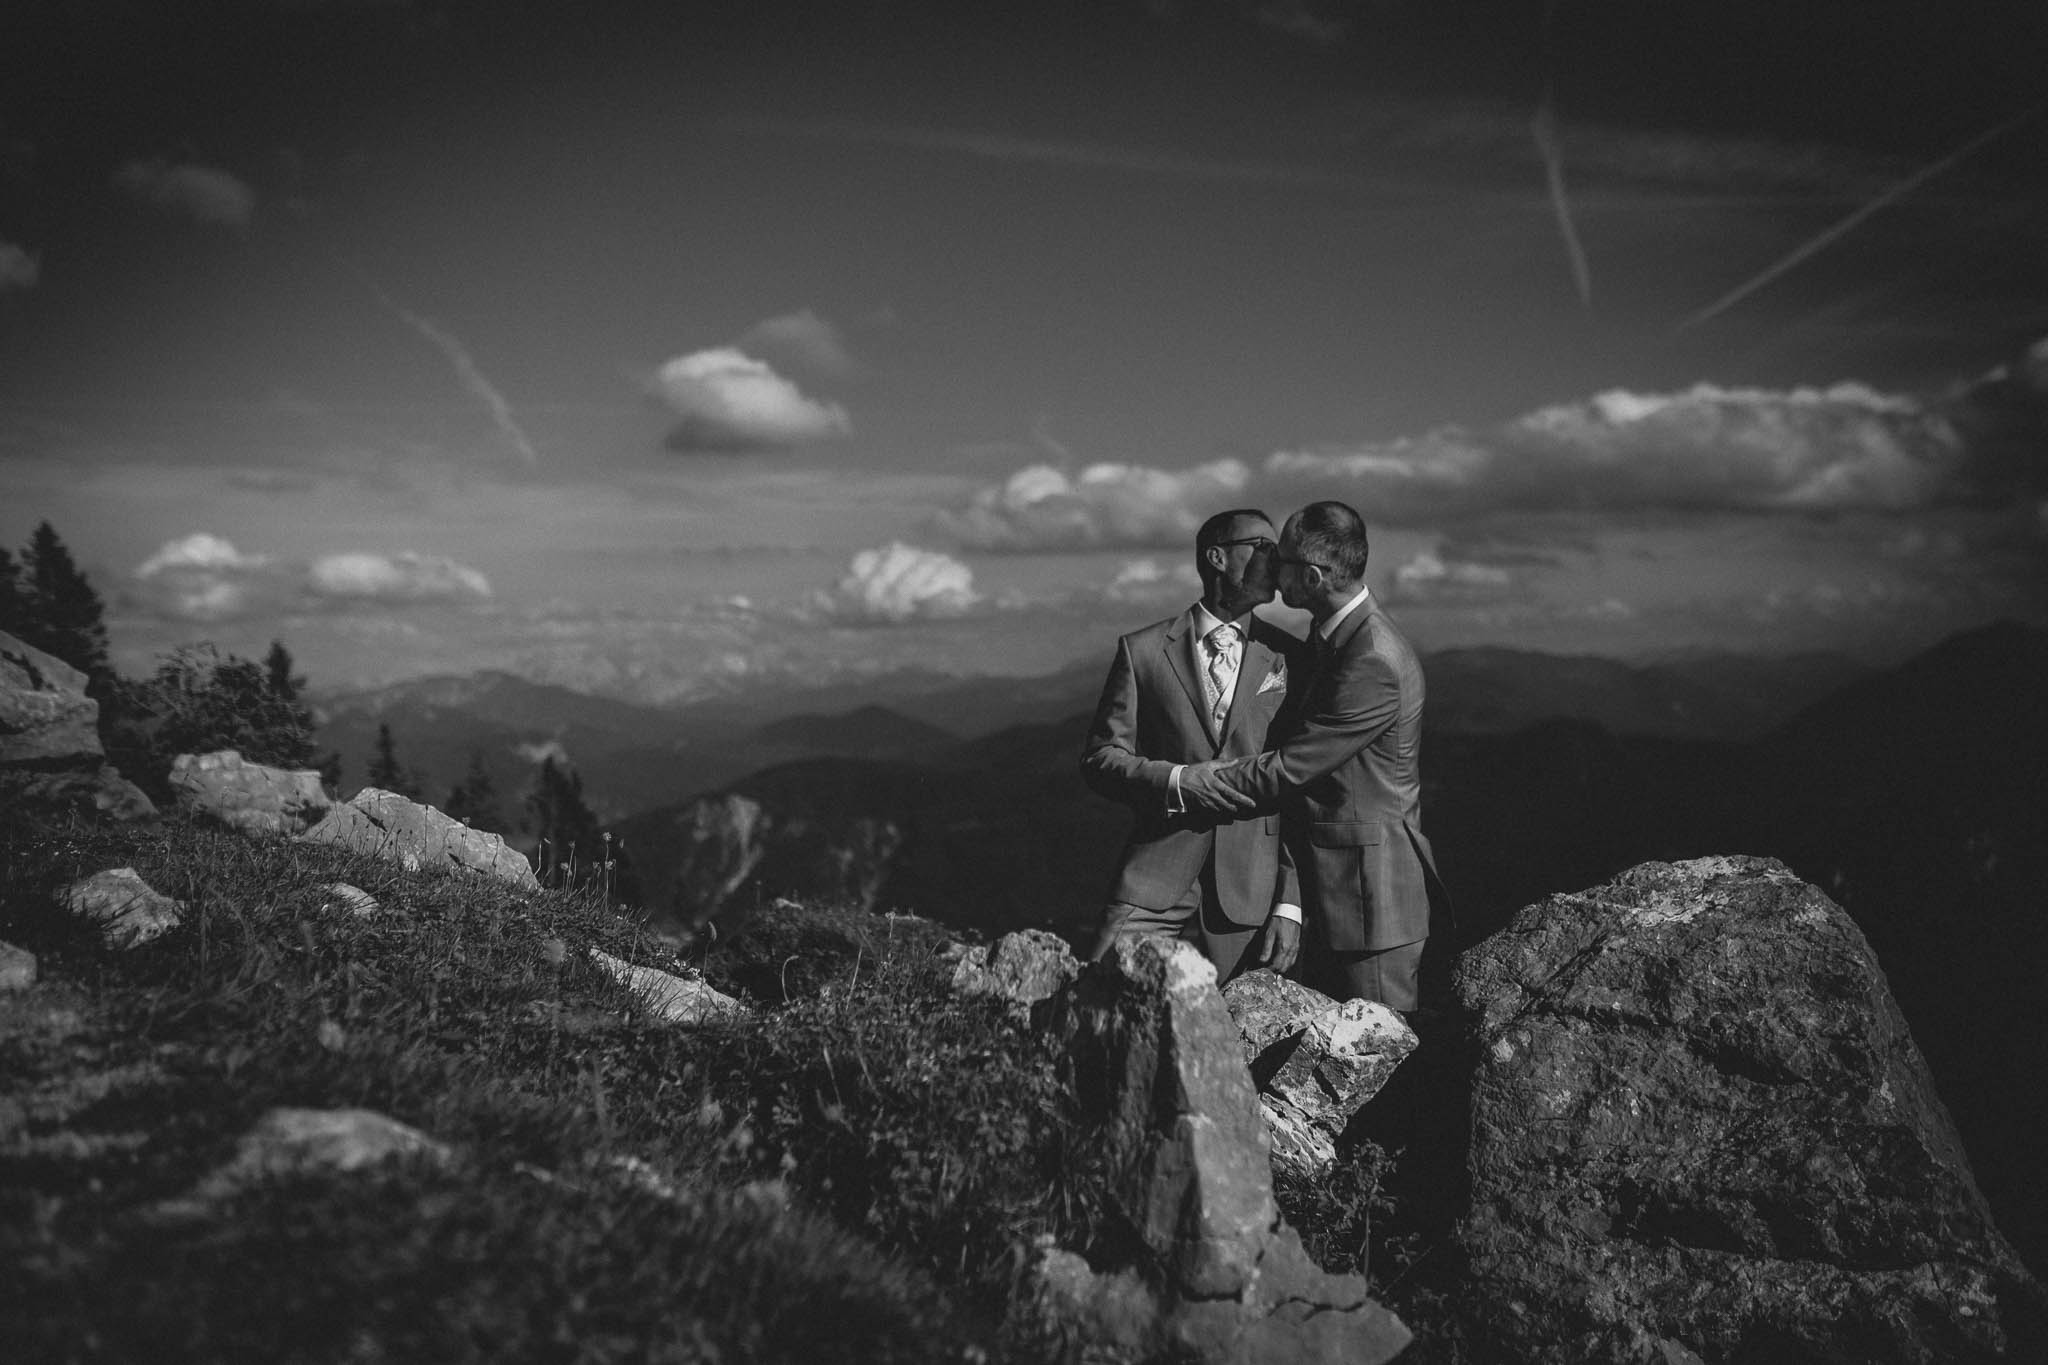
1316	1061
46	720
386	825
1699	1125
1216	1276
249	797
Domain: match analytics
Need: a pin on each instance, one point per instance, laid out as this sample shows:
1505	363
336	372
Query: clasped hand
1201	790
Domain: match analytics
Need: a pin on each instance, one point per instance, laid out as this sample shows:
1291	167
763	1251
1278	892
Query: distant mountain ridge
634	757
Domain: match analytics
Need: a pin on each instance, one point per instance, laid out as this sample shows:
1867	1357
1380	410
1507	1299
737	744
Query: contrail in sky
1544	129
466	370
1840	229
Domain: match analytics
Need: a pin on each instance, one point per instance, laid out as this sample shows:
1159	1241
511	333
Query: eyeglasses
1259	544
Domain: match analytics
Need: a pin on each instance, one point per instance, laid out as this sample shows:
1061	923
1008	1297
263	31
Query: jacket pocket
1343	833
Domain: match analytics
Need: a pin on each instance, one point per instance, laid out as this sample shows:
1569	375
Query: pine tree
65	615
570	840
474	799
13	603
387	772
277	666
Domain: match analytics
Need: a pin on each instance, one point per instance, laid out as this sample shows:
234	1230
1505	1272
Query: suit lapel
1180	657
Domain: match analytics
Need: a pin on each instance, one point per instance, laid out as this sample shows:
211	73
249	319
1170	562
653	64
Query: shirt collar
1329	627
1205	621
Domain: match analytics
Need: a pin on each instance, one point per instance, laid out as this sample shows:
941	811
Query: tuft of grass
852	1176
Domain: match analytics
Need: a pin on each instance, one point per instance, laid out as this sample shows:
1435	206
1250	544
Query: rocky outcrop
249	797
386	825
1157	1067
676	999
128	911
1023	968
1699	1125
1316	1061
46	720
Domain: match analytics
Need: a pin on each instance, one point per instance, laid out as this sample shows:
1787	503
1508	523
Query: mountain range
635	757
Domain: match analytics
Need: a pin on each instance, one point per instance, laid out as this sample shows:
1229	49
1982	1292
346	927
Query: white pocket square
1275	680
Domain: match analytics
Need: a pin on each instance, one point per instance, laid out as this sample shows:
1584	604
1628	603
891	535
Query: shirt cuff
1289	912
1176	804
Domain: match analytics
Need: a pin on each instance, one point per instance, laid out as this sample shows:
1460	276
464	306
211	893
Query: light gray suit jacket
1151	717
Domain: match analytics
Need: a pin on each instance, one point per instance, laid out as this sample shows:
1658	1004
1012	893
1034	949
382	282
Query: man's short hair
1333	533
1217	529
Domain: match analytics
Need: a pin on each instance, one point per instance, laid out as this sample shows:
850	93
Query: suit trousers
1195	918
1391	976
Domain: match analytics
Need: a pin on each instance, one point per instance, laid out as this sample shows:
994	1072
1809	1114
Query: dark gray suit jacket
1344	772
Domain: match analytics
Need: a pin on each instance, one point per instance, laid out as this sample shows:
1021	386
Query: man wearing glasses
1204	684
1344	770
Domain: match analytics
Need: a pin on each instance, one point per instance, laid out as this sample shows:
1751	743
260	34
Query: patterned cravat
1222	674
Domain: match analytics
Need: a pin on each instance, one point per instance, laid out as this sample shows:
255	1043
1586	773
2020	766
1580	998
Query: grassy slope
859	1167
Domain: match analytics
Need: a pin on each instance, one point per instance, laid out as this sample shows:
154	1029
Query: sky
663	349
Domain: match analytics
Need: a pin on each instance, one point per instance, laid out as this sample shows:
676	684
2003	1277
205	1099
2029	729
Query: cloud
728	400
1429	577
897	582
1842	448
537	754
205	578
1147	580
204	193
18	269
803	338
1043	508
403	577
1325	23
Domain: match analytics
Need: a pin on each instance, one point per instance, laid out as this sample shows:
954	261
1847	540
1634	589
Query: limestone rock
342	896
1316	1061
387	825
100	791
17	967
306	1141
249	797
128	910
1158	1067
679	1000
1023	968
46	720
1699	1125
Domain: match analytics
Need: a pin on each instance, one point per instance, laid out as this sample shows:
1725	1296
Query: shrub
199	700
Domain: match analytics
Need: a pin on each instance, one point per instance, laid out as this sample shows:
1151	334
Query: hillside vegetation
853	1175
